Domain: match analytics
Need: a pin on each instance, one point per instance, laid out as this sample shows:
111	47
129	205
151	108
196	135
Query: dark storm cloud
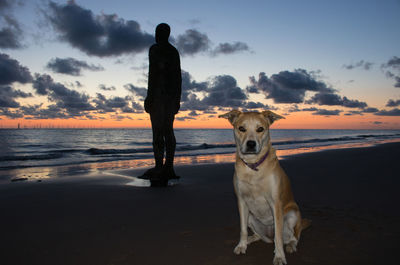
99	35
11	71
192	42
72	101
8	96
392	112
140	92
229	48
332	99
361	64
106	88
286	86
393	103
11	33
325	112
71	66
393	65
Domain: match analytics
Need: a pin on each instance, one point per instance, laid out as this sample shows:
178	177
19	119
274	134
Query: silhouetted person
162	103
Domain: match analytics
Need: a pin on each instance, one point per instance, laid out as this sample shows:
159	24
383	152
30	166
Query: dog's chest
256	201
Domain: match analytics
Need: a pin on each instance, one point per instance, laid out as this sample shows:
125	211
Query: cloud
393	65
184	118
393	103
71	66
190	85
224	92
332	99
105	88
72	101
370	110
11	71
194	103
37	112
392	112
361	64
141	92
192	42
354	112
11	114
325	112
8	96
100	35
113	104
286	86
11	33
229	48
193	113
104	105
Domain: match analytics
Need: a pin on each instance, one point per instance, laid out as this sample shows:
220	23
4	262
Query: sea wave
183	149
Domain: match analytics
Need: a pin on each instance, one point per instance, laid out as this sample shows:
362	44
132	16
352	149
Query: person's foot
169	173
151	173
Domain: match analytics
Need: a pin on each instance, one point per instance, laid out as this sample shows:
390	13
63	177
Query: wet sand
351	196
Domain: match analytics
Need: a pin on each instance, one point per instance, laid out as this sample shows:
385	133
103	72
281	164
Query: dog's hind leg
260	231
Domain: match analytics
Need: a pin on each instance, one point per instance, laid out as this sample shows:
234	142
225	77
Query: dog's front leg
244	217
279	258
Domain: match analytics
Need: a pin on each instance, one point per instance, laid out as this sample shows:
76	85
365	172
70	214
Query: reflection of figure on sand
162	103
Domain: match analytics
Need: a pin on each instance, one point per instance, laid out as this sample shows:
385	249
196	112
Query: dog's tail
305	223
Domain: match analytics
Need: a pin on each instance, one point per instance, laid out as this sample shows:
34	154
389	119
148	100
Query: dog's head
251	129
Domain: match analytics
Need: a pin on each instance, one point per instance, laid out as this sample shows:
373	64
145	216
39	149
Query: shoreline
349	194
40	173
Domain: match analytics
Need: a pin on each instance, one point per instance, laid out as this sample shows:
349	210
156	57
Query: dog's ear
271	116
231	116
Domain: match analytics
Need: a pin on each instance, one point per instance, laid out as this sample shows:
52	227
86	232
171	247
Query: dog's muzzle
251	146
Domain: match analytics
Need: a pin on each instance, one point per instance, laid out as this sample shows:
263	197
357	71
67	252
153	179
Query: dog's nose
251	144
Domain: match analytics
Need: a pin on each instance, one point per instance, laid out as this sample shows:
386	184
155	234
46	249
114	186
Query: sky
320	64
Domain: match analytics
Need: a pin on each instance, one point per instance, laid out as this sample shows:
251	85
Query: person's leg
170	144
158	140
157	122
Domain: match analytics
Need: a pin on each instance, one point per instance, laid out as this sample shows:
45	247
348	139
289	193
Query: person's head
162	33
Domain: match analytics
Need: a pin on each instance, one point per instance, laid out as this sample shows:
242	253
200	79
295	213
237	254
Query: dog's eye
242	129
260	129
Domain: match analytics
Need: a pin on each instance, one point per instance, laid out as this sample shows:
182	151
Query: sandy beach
350	195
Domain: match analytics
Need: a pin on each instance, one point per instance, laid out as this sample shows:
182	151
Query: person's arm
179	83
150	83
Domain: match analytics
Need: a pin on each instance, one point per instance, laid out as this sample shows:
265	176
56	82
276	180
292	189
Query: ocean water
30	148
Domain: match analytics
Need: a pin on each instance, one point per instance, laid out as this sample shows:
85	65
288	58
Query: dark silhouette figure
162	103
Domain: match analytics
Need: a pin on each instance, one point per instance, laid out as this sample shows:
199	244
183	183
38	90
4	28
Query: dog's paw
240	248
279	260
291	247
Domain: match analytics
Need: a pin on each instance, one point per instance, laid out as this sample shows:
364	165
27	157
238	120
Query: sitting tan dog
265	199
